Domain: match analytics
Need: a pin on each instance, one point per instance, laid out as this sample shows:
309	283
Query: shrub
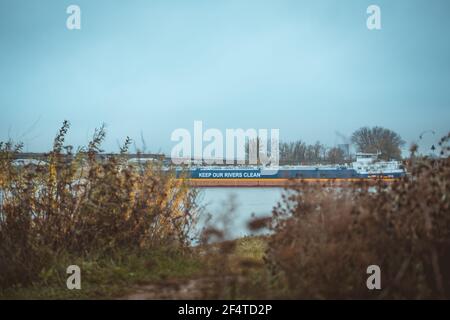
79	203
325	237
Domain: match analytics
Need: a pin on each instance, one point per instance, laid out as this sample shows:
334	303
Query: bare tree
292	152
378	139
335	155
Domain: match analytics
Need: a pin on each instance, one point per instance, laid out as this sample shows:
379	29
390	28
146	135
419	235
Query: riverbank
129	234
167	273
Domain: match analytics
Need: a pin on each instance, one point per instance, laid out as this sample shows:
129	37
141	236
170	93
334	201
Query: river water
237	206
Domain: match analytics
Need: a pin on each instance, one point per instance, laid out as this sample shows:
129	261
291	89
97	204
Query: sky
311	69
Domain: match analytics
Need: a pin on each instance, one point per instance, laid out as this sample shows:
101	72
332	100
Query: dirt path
172	289
189	289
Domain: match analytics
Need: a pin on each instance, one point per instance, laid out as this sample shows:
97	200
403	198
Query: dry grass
74	207
325	238
77	204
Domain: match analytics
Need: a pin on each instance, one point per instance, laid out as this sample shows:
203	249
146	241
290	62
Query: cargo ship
365	167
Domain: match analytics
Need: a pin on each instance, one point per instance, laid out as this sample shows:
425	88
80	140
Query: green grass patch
109	277
121	273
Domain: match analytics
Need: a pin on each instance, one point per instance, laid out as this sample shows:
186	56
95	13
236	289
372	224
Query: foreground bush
325	237
77	204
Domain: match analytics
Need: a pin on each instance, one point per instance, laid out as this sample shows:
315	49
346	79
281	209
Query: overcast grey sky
308	68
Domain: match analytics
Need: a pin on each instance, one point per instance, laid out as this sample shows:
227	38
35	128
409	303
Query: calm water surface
237	205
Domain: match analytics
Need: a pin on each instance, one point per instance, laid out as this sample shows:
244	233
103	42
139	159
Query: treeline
299	152
385	142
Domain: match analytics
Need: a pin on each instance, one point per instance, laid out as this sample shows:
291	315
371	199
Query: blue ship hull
282	173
